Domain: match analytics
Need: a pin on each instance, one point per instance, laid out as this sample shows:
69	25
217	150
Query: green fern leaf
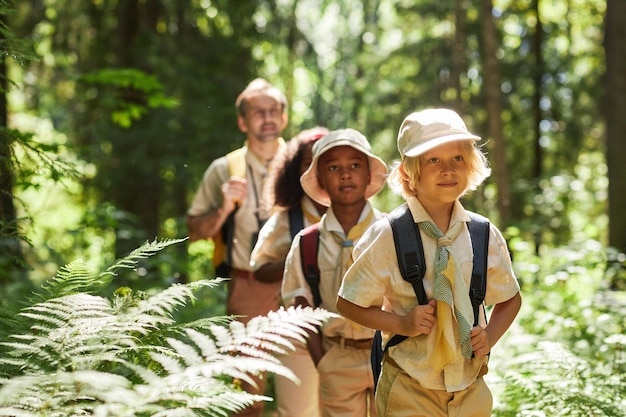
145	251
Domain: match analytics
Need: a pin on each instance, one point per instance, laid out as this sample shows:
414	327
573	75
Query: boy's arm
267	259
418	321
270	272
293	292
501	318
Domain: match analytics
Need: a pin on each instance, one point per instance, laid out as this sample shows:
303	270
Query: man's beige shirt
209	197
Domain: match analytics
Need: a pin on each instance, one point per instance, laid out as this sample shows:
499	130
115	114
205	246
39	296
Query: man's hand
234	191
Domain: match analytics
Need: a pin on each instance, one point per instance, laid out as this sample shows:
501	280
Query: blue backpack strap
412	265
309	243
479	233
296	220
409	250
410	254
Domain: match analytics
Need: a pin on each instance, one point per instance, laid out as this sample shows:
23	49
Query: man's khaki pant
250	298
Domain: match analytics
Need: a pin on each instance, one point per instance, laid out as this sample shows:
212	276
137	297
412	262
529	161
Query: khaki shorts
397	394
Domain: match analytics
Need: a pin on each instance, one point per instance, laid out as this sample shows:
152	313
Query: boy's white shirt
329	258
375	280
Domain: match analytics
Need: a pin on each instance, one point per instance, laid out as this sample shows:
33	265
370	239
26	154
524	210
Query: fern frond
206	283
261	332
145	251
556	382
71	332
165	302
83	355
72	278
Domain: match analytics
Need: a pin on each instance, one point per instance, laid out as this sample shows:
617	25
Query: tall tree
614	105
11	256
493	104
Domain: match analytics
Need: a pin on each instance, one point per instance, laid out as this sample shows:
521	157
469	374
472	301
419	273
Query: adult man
226	205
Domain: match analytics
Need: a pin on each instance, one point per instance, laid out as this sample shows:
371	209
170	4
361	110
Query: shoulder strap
479	234
409	251
296	220
223	243
309	243
237	162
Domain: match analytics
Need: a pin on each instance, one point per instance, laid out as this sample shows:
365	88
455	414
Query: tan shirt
275	235
375	280
329	263
209	197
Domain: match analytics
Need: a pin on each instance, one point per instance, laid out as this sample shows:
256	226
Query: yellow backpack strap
236	168
237	162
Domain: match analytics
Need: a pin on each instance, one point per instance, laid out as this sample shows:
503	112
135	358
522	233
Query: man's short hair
259	87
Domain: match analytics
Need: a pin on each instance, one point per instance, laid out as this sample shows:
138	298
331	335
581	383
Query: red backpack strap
309	243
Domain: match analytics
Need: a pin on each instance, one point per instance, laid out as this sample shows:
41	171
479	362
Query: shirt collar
421	215
329	220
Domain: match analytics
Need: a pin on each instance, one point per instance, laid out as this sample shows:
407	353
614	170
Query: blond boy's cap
343	137
424	130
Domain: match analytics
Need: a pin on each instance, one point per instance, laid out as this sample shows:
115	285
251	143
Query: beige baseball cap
422	131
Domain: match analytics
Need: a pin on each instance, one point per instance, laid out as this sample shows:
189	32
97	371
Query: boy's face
343	172
443	174
264	120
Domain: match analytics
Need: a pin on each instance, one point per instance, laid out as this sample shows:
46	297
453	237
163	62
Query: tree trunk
614	105
11	256
493	104
136	148
458	56
538	87
538	41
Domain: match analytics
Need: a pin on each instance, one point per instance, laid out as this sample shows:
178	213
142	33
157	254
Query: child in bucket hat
343	174
438	370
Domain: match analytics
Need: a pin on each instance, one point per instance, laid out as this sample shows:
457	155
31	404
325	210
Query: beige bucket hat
343	137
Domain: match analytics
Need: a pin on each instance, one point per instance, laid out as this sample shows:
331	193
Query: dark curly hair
283	190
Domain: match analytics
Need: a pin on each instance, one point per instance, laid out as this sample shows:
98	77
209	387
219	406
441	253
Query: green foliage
77	353
340	62
134	93
554	381
565	356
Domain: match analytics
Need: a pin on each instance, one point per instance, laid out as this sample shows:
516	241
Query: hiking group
293	224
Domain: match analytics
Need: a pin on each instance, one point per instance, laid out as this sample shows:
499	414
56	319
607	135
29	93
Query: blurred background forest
111	110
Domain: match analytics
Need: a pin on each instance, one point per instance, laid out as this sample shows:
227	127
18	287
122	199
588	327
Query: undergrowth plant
73	352
565	355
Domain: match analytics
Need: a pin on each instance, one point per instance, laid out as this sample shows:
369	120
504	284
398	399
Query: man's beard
268	136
